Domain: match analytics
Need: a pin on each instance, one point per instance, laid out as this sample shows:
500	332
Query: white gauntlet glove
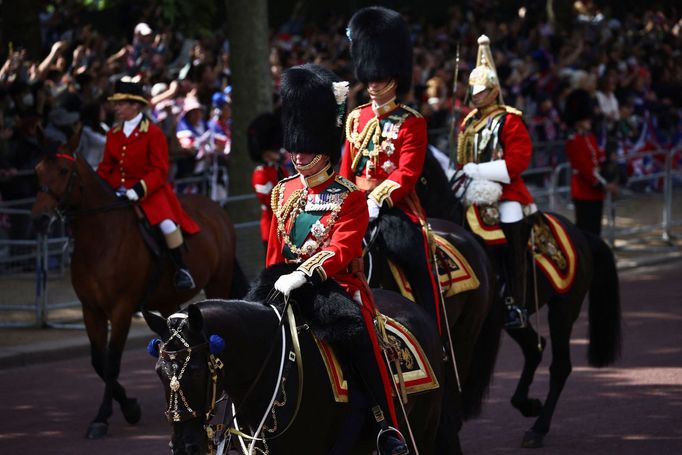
492	170
373	208
287	283
131	194
471	170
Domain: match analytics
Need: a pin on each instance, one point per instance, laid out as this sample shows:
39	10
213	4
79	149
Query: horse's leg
97	328
560	326
120	325
450	424
527	339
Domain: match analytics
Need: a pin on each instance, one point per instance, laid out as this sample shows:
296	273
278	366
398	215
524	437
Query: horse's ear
196	320
157	323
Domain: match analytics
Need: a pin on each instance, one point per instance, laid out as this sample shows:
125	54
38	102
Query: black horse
595	273
472	317
305	420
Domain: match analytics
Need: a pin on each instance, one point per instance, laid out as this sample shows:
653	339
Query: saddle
399	238
454	271
152	237
552	250
414	375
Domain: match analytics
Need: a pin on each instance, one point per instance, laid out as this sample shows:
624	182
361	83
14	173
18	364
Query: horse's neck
249	331
108	225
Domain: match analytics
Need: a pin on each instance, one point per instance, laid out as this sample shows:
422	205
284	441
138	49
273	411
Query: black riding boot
183	279
389	440
514	268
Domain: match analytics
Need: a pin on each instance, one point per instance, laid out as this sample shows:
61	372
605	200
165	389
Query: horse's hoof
97	430
532	440
530	407
132	411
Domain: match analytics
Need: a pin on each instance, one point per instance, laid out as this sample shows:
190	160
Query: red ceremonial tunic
518	149
384	155
143	157
263	180
585	157
500	134
319	223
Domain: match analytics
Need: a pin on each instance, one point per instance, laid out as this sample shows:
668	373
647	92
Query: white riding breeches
510	211
167	226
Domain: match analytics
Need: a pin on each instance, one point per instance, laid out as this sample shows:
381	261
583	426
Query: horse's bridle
179	409
63	199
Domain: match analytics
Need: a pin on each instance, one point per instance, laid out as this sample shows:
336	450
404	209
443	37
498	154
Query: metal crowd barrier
34	272
556	195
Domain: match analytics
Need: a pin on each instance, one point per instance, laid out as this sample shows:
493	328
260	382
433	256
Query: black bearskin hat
579	106
310	121
264	133
381	46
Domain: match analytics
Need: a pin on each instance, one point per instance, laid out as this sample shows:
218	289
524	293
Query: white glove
131	194
494	170
287	283
373	208
471	170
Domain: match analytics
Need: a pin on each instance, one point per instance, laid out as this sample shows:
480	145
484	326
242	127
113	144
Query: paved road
633	408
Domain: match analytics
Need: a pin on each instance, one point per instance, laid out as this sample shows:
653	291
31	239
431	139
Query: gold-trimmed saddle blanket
417	372
554	252
484	222
454	272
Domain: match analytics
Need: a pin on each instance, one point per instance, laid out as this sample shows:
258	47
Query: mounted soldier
319	222
494	148
135	164
386	144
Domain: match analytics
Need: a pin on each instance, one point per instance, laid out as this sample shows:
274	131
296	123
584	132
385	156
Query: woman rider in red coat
135	164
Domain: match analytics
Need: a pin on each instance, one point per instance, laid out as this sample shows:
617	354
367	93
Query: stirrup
184	280
516	317
391	442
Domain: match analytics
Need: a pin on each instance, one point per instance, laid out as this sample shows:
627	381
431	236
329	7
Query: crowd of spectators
629	63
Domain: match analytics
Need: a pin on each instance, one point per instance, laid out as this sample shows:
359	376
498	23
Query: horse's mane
435	192
326	307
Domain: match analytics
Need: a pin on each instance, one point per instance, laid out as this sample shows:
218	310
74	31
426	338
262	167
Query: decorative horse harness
179	410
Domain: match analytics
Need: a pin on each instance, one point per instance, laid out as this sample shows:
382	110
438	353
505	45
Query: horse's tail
475	389
240	284
604	312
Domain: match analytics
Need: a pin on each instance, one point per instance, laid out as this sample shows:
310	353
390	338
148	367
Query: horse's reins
63	199
294	356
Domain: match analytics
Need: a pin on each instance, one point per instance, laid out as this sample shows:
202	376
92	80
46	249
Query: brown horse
115	273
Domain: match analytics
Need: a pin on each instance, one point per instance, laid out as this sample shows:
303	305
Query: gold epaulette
354	114
512	110
274	197
117	127
144	125
346	183
469	115
411	111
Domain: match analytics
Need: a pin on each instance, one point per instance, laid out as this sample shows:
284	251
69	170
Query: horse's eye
63	171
